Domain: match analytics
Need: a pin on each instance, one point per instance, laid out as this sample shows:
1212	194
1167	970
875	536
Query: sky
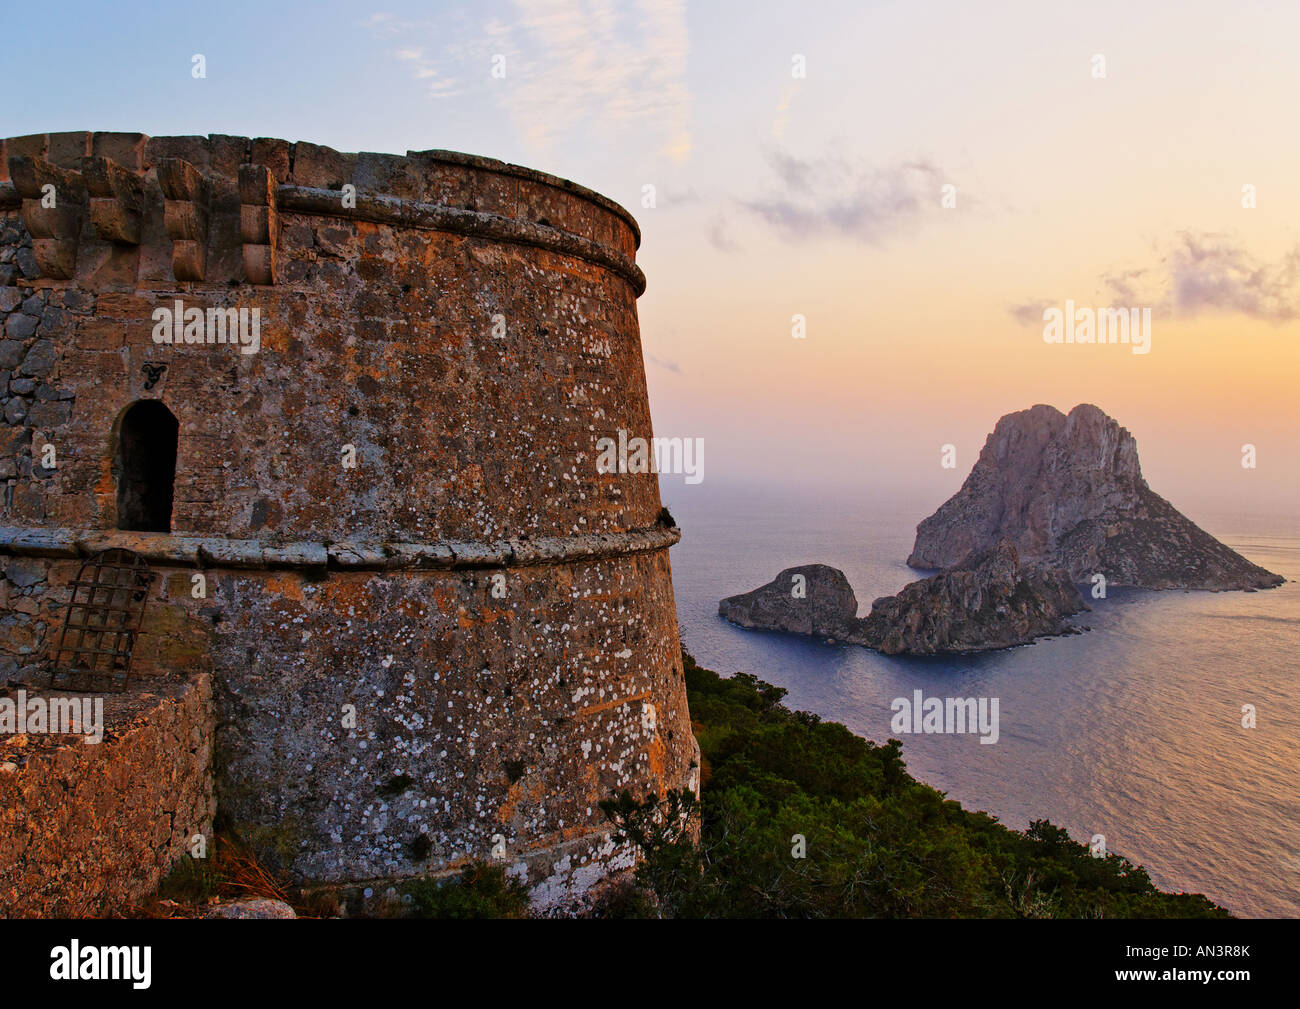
799	155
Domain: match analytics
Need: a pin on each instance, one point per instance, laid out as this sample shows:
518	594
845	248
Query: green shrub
481	891
877	842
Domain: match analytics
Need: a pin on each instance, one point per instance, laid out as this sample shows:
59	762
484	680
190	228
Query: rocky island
1068	492
1052	501
990	601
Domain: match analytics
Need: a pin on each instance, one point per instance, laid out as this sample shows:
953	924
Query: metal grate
103	619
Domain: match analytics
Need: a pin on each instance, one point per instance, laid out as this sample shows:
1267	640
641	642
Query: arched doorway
145	466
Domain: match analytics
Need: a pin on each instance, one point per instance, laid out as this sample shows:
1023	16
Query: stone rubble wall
91	829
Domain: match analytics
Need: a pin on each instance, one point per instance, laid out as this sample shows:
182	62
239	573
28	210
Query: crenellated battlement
208	207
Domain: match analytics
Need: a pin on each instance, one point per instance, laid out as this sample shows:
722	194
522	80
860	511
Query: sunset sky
821	196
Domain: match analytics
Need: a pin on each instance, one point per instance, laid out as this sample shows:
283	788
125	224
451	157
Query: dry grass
233	873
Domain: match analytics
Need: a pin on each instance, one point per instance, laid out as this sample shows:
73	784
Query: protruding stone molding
56	229
186	196
401	213
443	555
505	168
258	227
116	200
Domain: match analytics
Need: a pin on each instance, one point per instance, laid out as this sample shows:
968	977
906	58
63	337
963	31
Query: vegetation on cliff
878	842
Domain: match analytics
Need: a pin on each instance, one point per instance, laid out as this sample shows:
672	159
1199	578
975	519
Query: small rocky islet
989	601
1054	500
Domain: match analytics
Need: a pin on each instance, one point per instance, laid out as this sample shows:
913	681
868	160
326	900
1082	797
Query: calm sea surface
1132	730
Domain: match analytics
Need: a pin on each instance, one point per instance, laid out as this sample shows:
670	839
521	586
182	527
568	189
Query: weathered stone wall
475	716
27	611
374	336
91	829
34	592
29	400
498	611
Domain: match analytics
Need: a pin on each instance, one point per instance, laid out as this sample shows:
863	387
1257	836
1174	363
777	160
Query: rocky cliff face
989	602
1068	492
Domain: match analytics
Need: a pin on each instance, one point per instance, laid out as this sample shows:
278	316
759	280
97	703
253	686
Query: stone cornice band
402	213
443	555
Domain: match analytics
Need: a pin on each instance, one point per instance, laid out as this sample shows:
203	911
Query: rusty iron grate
103	619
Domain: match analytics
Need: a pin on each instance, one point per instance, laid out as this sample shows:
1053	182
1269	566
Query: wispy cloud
587	64
433	72
675	199
1130	287
1198	273
720	235
665	363
1216	273
833	196
565	67
1029	312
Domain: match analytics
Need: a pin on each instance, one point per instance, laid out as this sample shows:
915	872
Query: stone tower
346	407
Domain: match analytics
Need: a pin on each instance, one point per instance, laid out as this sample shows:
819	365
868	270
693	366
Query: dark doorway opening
145	465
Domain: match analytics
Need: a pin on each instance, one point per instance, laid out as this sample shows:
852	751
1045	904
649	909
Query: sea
1132	730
